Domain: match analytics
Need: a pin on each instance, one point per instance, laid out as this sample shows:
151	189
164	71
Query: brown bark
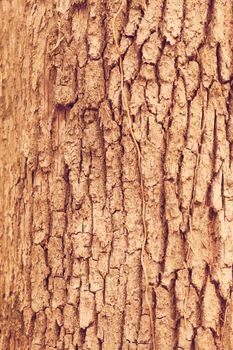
71	234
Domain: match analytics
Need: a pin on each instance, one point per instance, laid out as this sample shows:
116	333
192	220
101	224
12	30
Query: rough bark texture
71	221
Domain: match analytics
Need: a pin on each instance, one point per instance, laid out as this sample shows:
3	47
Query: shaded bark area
71	229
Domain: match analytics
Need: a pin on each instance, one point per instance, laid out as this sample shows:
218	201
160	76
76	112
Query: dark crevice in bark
215	146
192	347
156	67
201	297
160	24
210	12
166	234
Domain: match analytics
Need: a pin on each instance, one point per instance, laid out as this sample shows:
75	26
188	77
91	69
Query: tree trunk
116	203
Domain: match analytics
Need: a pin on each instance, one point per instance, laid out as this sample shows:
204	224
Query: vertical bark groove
139	165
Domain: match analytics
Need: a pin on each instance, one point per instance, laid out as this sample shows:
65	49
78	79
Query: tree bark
106	201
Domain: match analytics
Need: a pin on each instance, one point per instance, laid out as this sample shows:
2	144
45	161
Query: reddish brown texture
71	228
